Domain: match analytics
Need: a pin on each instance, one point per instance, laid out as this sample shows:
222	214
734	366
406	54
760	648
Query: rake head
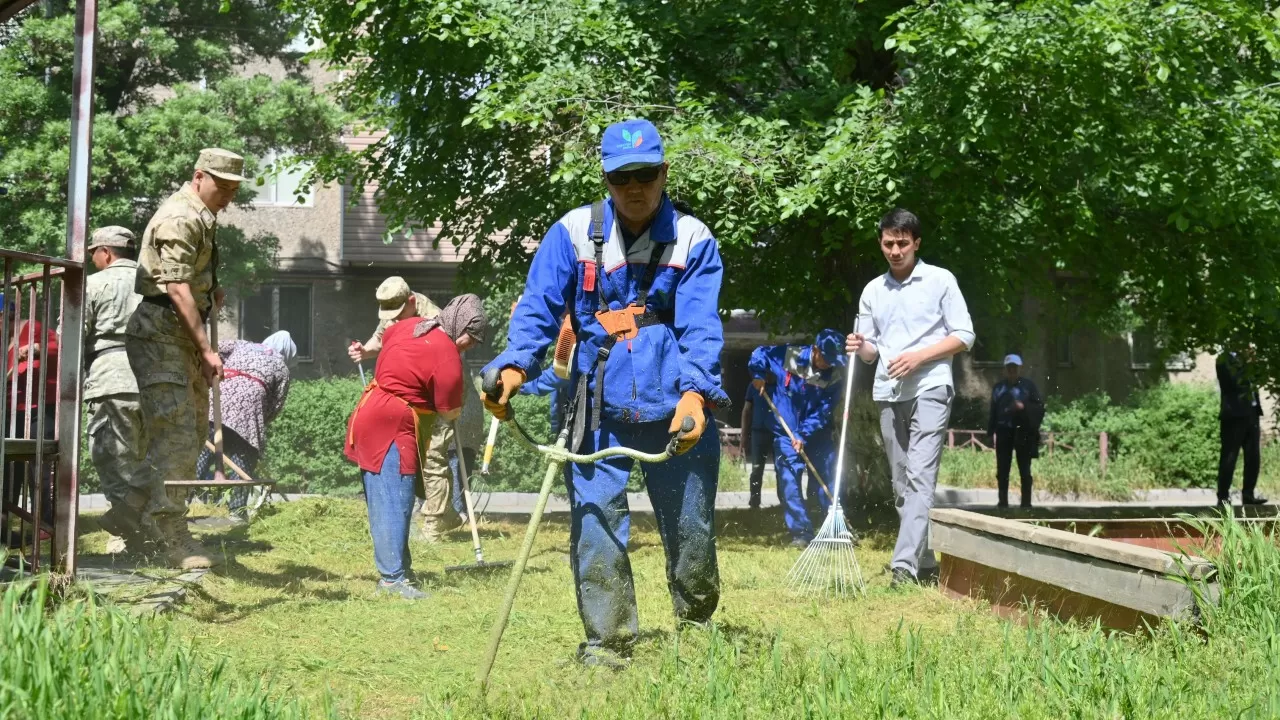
828	567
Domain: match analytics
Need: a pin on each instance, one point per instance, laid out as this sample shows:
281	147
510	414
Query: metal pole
67	502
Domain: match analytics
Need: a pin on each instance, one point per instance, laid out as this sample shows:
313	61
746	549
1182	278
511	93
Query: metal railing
40	373
973	439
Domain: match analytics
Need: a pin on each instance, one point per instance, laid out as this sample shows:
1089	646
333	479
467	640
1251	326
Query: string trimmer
556	456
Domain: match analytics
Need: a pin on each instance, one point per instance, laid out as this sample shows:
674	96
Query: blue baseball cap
630	142
831	344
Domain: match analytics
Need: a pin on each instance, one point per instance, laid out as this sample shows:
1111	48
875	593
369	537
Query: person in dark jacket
1014	425
1239	423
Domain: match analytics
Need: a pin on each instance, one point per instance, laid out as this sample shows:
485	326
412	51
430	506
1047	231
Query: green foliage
1170	430
1106	139
165	87
304	444
80	661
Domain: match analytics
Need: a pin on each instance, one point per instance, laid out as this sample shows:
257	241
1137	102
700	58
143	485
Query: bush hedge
1168	431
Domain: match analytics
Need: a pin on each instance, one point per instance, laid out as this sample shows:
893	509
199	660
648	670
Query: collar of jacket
206	215
662	229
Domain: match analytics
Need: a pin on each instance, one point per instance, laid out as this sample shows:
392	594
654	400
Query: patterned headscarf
282	343
464	315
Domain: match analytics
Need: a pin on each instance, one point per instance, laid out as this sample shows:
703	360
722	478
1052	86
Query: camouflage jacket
177	246
109	304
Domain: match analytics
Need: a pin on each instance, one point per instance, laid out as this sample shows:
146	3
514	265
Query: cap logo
630	141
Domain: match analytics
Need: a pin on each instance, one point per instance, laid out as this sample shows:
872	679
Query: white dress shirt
897	317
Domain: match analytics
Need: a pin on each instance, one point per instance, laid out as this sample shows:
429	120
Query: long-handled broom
828	566
479	565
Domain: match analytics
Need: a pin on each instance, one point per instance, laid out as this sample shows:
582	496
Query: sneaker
401	588
902	578
596	656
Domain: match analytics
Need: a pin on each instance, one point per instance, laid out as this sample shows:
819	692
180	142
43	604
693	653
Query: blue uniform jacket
761	416
805	398
645	377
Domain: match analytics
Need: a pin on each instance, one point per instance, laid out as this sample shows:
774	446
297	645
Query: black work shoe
1223	502
902	578
1002	505
1026	504
1253	500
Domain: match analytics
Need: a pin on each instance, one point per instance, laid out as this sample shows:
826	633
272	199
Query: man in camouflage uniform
394	296
110	390
167	345
396	300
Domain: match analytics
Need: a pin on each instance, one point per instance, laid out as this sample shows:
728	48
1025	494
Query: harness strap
228	373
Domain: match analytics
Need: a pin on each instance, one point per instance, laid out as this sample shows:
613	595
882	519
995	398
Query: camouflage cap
221	164
112	236
393	293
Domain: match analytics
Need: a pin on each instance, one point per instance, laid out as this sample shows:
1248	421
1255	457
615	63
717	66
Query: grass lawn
294	605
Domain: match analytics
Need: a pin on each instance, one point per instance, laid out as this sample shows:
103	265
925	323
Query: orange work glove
510	379
691	405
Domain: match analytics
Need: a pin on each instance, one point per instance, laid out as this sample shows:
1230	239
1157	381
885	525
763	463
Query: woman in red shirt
417	382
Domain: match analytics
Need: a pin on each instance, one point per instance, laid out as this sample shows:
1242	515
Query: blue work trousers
389	496
821	449
683	493
790	469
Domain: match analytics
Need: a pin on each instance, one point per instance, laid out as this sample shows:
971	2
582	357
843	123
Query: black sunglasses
624	177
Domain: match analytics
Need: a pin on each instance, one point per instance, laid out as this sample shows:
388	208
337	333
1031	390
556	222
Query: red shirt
31	365
425	371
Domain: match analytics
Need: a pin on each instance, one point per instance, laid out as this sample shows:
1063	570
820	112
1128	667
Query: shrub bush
304	444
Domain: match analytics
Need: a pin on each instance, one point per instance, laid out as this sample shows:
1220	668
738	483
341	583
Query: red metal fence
39	412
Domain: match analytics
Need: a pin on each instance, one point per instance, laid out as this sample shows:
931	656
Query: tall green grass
75	660
1229	668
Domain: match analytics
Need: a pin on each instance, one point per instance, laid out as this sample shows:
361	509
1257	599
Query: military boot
182	550
131	528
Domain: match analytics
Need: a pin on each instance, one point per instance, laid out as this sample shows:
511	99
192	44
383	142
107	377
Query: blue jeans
683	493
389	496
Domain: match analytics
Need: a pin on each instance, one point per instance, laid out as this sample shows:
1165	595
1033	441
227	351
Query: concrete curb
513	503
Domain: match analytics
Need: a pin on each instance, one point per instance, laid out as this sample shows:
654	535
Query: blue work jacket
806	398
644	377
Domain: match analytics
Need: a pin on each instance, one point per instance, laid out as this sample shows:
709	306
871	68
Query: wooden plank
1135	588
24	449
1132	555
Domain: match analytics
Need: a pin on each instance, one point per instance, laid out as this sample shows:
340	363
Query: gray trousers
913	432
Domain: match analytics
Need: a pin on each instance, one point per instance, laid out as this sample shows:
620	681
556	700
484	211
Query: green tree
1117	159
168	83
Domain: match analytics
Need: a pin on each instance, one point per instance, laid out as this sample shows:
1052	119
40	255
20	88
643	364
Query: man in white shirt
911	320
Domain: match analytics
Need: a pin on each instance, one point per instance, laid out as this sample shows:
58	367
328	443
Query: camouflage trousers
116	446
437	480
175	416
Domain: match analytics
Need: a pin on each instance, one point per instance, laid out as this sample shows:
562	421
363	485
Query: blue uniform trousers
790	468
821	449
683	493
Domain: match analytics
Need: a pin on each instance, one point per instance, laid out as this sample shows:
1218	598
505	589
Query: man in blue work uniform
808	381
757	437
649	273
1014	426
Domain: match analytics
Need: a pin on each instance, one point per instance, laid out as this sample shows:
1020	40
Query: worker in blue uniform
641	280
806	392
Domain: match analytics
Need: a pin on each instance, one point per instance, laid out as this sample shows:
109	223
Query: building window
1064	349
1143	352
283	188
275	308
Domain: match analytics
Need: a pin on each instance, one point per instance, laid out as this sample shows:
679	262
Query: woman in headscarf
464	321
417	383
254	387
